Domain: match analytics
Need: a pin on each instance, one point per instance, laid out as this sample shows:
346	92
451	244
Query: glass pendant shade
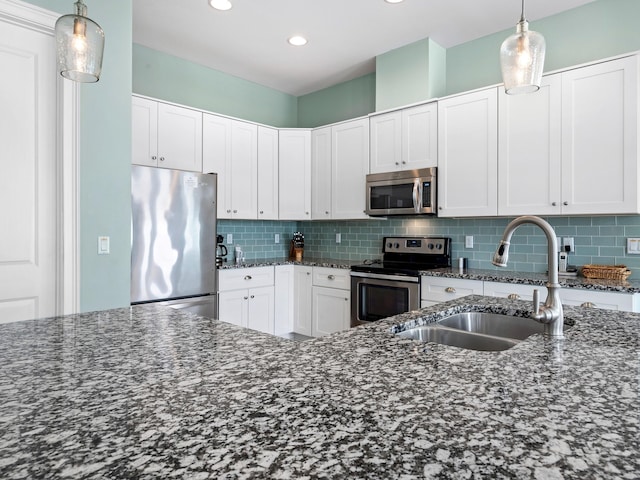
80	45
522	60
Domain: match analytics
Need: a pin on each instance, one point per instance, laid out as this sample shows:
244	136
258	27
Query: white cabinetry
268	173
529	151
607	300
467	154
230	150
293	287
331	305
513	291
600	138
572	147
295	174
166	135
441	289
340	163
404	139
246	297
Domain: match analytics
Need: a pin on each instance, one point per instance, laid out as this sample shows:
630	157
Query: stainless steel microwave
410	192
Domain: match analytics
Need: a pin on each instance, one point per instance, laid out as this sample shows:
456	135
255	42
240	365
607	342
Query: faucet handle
536	301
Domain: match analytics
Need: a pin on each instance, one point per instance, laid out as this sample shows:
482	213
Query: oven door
375	296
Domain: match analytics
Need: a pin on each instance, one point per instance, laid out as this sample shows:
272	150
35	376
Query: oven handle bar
382	276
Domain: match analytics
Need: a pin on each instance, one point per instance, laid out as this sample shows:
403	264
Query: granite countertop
524	278
150	392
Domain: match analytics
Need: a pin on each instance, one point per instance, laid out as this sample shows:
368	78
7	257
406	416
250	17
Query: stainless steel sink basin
476	331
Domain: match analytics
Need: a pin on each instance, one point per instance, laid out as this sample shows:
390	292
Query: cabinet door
467	155
607	300
349	167
529	151
331	309
179	138
386	142
295	174
302	300
144	133
321	174
600	138
284	300
420	137
233	307
216	157
261	310
267	173
244	170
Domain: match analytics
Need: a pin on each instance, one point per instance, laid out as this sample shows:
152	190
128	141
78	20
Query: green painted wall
170	78
346	100
105	159
597	30
404	75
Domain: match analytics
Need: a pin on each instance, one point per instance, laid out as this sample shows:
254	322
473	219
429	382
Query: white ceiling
345	36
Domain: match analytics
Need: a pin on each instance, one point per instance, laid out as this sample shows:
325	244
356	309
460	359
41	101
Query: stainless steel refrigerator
173	239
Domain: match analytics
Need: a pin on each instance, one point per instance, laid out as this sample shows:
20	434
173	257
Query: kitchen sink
476	331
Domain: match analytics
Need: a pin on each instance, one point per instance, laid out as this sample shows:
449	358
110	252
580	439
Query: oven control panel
419	245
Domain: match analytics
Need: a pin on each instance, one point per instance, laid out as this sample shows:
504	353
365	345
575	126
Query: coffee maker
221	251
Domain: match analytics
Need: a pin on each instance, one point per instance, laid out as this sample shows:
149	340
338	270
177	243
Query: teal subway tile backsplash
598	240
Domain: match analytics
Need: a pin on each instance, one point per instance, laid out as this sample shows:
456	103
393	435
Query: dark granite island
151	393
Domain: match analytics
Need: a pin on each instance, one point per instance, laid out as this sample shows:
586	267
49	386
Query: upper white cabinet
404	139
529	151
230	150
600	138
295	174
166	135
340	163
268	149
571	148
467	154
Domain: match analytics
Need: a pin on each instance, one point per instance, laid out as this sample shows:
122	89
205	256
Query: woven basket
610	272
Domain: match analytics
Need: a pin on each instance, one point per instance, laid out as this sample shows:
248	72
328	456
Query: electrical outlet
338	237
229	237
468	241
633	246
276	238
567	243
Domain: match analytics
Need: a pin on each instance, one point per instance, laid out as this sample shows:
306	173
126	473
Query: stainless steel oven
381	289
375	296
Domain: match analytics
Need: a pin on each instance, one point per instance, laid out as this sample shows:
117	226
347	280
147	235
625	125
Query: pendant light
522	59
80	44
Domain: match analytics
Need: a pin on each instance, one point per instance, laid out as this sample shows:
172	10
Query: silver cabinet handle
553	204
450	290
588	305
162	159
246	298
513	296
404	163
253	296
326	213
306	213
154	157
397	163
228	211
565	203
261	212
331	277
235	211
247	277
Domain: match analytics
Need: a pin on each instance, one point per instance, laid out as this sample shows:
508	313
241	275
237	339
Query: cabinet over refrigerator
173	239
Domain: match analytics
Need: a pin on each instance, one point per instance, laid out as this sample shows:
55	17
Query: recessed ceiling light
297	40
394	1
220	4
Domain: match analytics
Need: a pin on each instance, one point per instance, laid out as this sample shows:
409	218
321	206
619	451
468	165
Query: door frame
67	276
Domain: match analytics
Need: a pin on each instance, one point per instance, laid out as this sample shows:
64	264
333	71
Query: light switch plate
229	238
276	238
103	245
468	241
338	237
633	246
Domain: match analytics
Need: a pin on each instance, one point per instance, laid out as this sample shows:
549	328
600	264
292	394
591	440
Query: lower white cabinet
293	299
441	289
331	310
246	298
513	291
627	302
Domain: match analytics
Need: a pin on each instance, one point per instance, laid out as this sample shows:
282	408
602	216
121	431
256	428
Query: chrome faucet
550	314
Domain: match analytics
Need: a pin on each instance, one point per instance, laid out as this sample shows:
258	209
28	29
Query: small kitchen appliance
381	289
409	192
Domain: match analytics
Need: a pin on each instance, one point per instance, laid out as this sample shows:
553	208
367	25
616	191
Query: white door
331	310
216	157
386	142
144	132
295	174
29	245
233	307
244	170
267	173
179	138
261	310
420	136
321	174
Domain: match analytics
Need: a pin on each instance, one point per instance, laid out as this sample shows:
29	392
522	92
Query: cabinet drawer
332	278
589	298
513	291
437	289
238	278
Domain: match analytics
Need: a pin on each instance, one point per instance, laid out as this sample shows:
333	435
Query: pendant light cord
522	15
